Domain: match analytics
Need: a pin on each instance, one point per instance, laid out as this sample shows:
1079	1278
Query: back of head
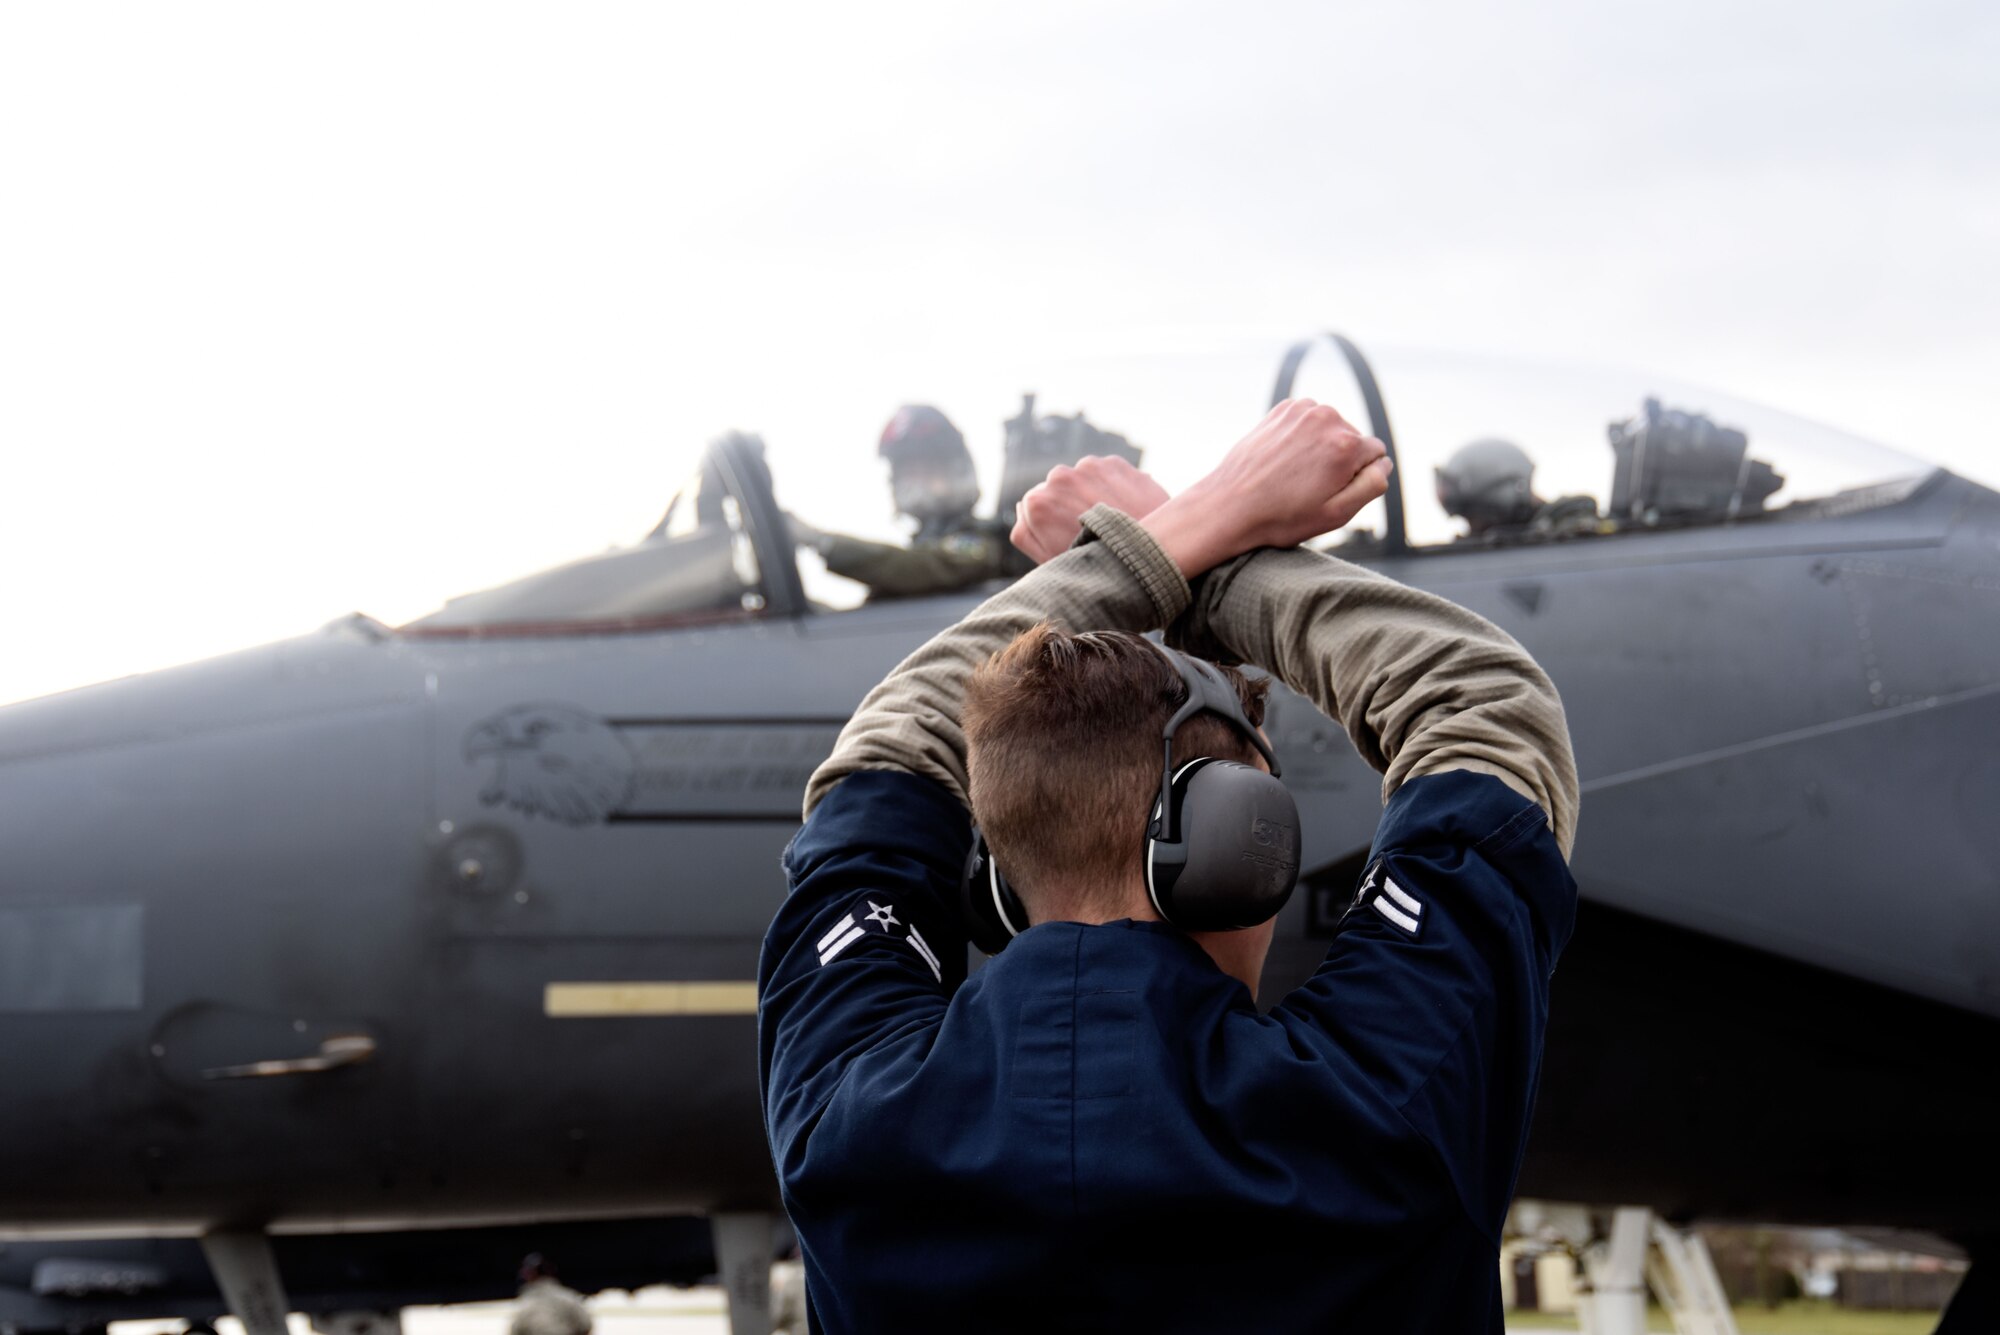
1063	741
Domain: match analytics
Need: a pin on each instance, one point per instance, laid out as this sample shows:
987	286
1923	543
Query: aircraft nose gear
1643	1251
247	1274
743	1255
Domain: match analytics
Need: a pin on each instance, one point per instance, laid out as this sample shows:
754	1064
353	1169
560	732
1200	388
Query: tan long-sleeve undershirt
1420	684
909	722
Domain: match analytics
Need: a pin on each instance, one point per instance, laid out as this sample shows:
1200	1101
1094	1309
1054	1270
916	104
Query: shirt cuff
1150	565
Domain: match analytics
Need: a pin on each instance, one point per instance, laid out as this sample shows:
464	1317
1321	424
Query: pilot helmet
1488	483
930	470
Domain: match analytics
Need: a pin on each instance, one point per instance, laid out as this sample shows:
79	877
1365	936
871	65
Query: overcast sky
314	309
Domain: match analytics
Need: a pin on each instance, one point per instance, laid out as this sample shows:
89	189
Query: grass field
1806	1318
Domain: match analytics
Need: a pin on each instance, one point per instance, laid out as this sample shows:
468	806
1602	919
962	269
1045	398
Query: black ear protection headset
1222	847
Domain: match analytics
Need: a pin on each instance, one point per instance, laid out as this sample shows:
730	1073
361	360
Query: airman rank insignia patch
876	915
1391	902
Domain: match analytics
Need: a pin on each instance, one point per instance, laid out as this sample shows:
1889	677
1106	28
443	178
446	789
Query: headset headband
1207	689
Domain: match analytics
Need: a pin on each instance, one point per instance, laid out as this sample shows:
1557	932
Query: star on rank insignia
1367	884
880	919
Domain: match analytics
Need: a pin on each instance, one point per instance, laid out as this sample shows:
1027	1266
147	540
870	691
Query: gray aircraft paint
1786	731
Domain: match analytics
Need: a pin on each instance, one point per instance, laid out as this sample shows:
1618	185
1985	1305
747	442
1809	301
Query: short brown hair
1063	743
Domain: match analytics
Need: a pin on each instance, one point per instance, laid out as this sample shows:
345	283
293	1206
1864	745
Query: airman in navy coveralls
1099	1131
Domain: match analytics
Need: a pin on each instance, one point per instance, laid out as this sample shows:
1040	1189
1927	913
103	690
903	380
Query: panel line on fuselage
1778	739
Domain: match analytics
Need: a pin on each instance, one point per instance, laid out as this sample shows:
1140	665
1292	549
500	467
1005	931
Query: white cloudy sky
309	309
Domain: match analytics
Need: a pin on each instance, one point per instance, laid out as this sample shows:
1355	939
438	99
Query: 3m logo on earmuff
1270	833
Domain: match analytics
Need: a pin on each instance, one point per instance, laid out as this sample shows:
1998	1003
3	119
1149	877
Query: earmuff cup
1222	856
992	913
1237	856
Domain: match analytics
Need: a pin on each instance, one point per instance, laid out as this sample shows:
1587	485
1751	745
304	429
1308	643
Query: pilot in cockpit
932	480
1489	483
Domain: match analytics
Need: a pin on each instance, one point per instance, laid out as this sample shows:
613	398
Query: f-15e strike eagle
356	965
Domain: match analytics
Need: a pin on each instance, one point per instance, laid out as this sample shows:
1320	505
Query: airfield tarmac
654	1311
699	1311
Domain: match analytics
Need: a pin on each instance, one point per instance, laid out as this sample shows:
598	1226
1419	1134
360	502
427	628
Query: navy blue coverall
1098	1132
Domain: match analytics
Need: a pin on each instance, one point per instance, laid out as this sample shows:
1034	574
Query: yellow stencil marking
582	1001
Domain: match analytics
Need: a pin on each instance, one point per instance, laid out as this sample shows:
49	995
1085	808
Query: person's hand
1301	472
1049	517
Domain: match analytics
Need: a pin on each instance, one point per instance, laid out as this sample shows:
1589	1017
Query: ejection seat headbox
1671	465
1037	444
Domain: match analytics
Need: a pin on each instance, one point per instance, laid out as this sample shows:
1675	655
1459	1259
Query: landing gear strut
247	1274
1642	1251
743	1255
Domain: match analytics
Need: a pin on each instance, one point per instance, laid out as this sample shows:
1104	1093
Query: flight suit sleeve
1435	990
867	946
1436	987
890	571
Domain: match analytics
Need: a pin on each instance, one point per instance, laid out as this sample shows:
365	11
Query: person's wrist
1191	530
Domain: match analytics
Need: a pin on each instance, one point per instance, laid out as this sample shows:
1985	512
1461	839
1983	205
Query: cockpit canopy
1647	452
1608	453
712	557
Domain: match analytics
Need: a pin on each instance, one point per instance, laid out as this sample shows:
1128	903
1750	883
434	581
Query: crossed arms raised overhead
1421	685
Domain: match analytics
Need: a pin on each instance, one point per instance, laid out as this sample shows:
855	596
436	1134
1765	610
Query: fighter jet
373	942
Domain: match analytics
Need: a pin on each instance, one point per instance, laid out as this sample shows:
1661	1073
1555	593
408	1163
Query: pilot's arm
957	562
860	961
1434	994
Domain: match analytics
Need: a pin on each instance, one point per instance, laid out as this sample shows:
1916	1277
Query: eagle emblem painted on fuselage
553	761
